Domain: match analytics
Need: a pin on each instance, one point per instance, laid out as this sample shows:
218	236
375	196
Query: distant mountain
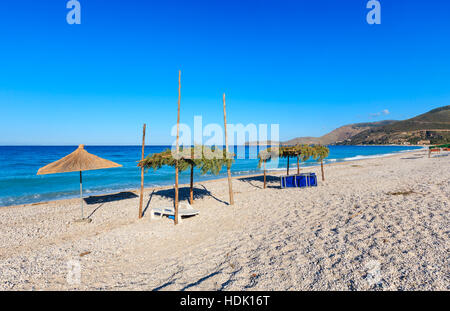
339	135
263	143
432	127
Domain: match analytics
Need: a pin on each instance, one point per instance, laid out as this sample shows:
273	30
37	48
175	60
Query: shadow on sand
110	197
183	193
260	180
411	158
102	199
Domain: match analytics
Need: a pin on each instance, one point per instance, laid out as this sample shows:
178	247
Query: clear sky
310	66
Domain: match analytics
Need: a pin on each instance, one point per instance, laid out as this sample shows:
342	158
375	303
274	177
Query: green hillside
433	126
338	135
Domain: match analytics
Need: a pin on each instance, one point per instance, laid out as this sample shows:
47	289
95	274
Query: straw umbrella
304	153
267	155
78	161
320	153
288	152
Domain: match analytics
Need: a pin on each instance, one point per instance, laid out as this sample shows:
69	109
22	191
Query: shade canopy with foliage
320	153
301	152
206	159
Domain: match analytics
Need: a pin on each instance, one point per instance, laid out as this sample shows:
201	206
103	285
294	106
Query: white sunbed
185	209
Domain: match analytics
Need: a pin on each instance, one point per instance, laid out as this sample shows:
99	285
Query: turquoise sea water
19	183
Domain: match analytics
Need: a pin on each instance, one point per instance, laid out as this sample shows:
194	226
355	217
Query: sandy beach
375	224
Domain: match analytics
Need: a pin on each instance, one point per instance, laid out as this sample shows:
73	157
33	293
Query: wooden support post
191	191
141	197
298	165
230	186
177	146
321	167
264	174
288	165
81	195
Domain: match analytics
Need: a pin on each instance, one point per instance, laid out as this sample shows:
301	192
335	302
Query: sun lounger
288	181
184	210
299	181
306	180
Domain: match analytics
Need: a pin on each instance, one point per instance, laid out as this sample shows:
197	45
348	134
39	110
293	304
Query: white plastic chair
184	209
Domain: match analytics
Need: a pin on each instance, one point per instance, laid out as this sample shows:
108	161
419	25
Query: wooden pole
141	197
288	165
321	167
264	174
191	191
230	186
178	137
81	195
298	165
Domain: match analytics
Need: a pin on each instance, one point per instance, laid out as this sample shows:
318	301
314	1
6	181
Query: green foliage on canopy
302	151
320	152
305	152
268	154
213	159
439	146
157	160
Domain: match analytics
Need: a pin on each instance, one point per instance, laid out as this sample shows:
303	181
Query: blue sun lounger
306	180
299	181
288	181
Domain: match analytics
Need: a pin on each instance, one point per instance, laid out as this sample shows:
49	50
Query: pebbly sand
378	224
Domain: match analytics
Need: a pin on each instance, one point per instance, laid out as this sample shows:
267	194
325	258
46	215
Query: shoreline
278	171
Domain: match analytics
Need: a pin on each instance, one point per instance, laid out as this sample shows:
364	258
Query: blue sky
310	66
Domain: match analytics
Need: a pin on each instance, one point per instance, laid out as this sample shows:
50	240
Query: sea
19	183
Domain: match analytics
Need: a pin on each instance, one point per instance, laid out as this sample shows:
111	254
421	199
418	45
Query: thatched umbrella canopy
320	152
186	159
266	155
288	152
78	161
